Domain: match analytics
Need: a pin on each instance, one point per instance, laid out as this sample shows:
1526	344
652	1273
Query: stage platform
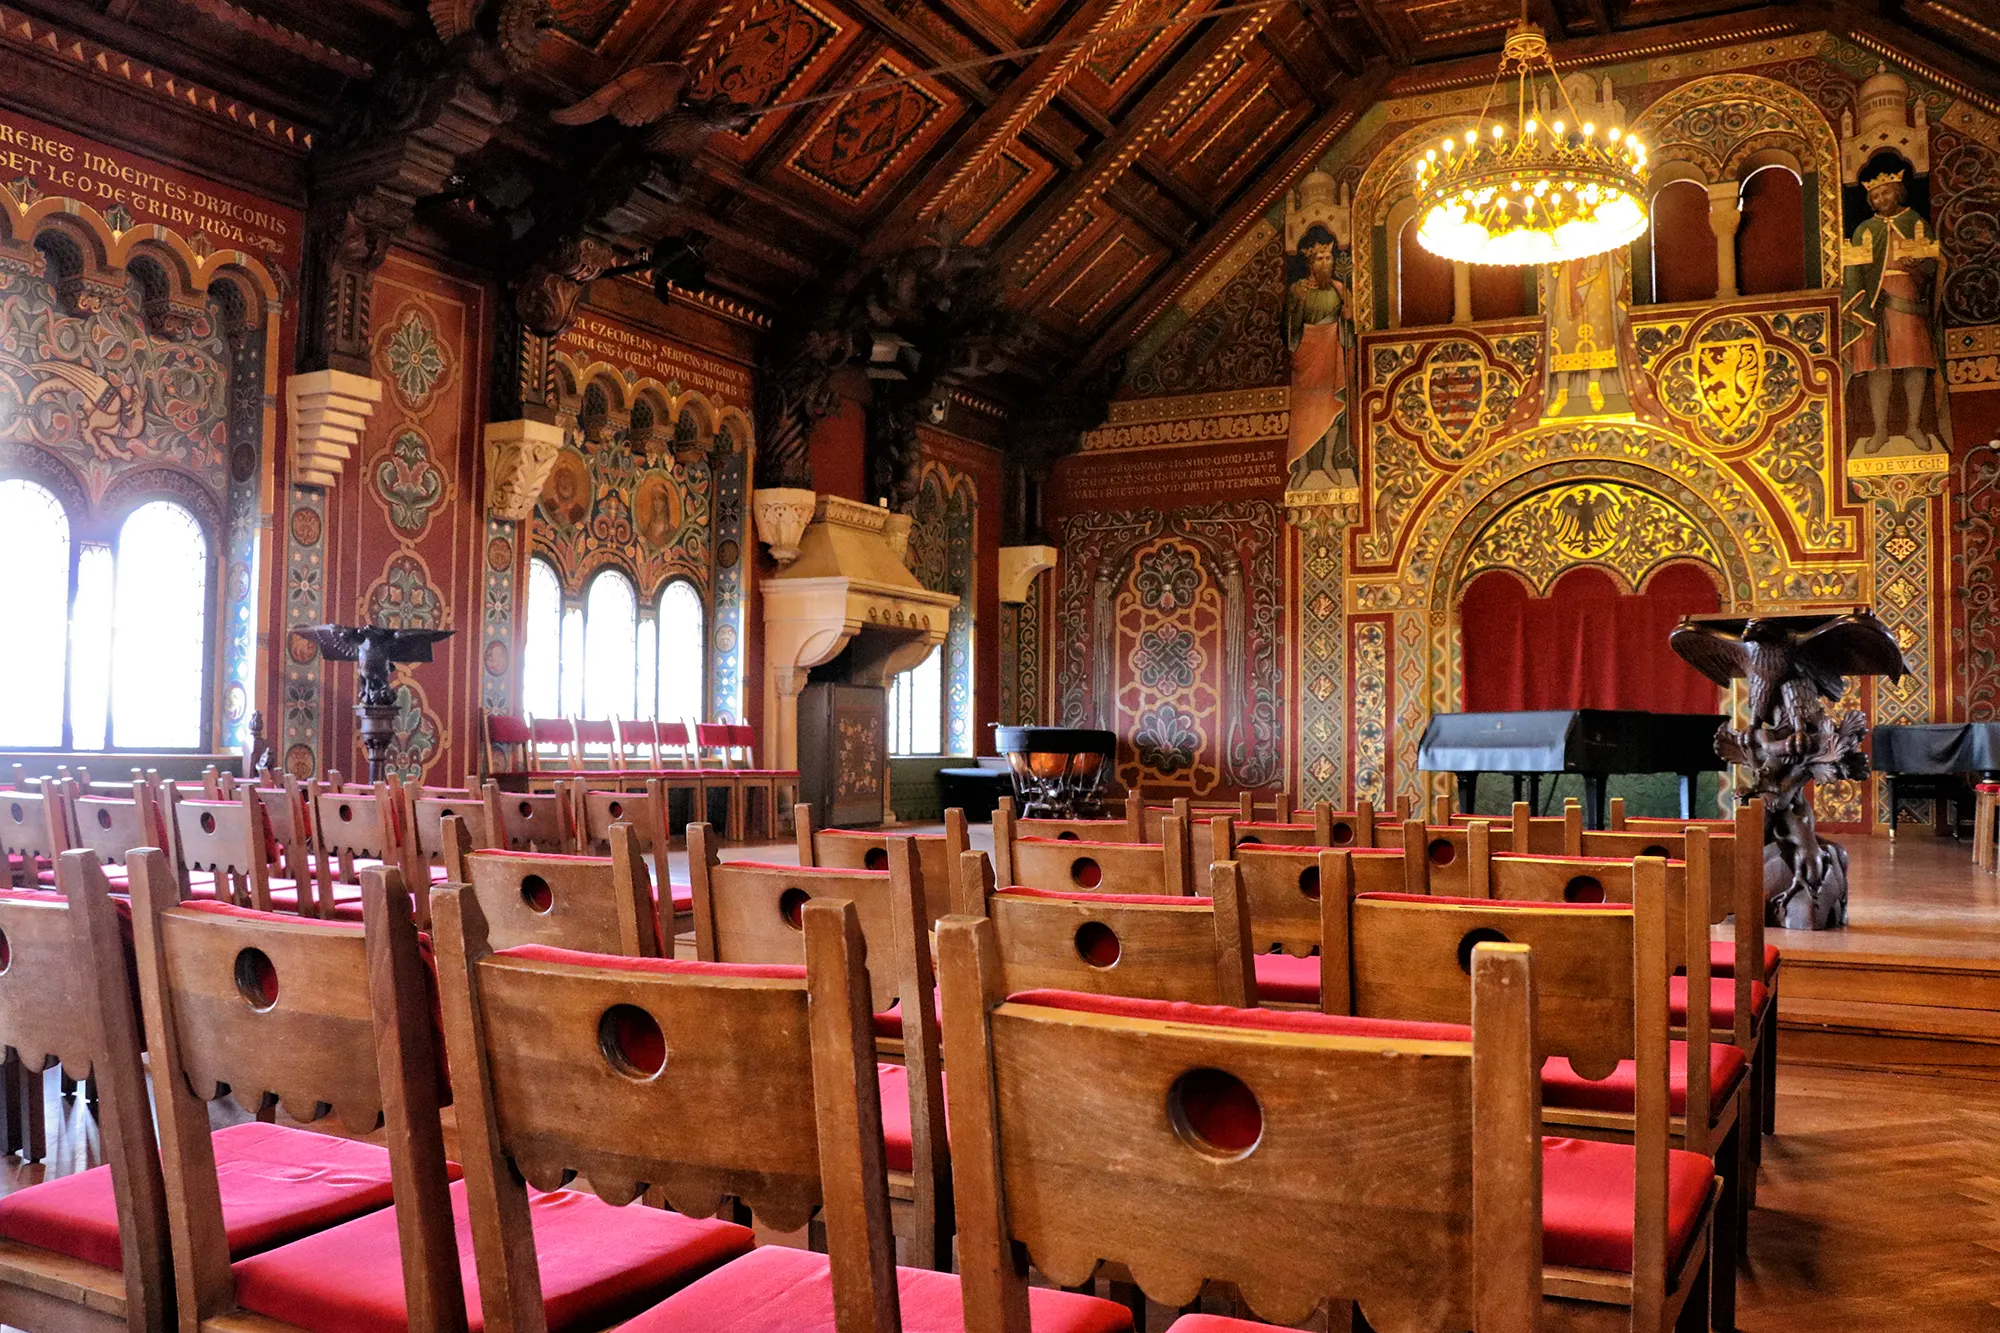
1913	983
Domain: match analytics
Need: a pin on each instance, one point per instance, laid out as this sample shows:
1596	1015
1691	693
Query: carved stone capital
782	513
1018	567
327	411
896	532
519	457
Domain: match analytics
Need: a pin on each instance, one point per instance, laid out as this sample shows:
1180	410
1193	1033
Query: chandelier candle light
1539	192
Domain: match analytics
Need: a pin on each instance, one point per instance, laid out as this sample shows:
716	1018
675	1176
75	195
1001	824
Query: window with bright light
916	707
34	606
111	645
610	646
541	664
683	652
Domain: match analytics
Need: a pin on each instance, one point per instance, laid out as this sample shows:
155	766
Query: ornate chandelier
1551	187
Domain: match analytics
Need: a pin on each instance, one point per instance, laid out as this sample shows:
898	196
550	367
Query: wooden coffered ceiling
1096	175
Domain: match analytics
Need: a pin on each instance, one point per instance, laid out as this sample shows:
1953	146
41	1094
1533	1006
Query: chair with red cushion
552	750
712	745
867	849
65	997
537	821
312	1015
427	853
707	1080
1142	946
594	809
1610	1077
219	849
1095	867
750	912
33	832
353	831
595	904
508	740
286	826
110	827
1188	1143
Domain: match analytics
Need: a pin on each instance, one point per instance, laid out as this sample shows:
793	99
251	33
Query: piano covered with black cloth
1594	742
1936	761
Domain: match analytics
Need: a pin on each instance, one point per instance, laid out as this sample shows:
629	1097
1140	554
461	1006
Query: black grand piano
1938	761
1595	742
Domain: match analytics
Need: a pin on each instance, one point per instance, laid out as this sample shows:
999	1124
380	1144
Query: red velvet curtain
1585	645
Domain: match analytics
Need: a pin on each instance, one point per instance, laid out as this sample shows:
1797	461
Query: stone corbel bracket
782	513
327	410
1018	567
519	457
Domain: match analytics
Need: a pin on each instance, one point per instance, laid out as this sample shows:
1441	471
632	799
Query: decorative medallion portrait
656	510
566	495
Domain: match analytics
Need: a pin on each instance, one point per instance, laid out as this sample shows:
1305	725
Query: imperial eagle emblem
374	649
1790	670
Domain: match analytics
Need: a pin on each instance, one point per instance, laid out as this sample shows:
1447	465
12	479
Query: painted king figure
1319	329
1889	284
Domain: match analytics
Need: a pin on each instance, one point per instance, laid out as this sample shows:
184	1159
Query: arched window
610	646
916	707
541	667
1771	240
159	629
34	605
1683	244
683	651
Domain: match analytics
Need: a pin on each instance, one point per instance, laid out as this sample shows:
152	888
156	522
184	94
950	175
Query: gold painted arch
1626	530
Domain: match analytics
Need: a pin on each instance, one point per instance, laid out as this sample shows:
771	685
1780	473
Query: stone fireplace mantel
848	590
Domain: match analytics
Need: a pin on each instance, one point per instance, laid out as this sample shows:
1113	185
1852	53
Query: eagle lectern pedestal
1791	664
375	650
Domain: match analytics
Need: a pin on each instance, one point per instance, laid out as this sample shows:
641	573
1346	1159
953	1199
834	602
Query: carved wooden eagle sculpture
375	649
1787	666
518	26
639	96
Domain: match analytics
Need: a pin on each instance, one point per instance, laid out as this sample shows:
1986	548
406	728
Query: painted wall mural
941	556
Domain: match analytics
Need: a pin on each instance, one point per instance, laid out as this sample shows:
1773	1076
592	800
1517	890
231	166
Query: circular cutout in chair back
632	1042
207	822
1441	852
616	809
537	894
792	907
447	813
1343	833
1584	889
1086	872
16	813
525	810
876	859
257	979
1659	851
1097	944
1215	1113
1252	841
103	818
1475	937
1309	882
6	953
346	813
1068	835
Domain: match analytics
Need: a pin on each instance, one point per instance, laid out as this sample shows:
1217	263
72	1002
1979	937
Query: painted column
1321	519
1905	512
1725	215
1461	293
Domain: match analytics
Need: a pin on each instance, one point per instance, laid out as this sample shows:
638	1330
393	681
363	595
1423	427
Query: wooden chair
770	1097
596	745
356	831
1186	1143
750	912
87	1252
110	828
1601	977
755	781
1141	946
1101	867
287	826
664	747
427	853
537	821
552	749
1985	800
1007	829
33	831
596	904
1122	828
218	850
714	743
507	743
865	849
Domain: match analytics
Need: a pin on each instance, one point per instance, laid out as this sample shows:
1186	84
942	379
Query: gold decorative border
1188	407
1898	464
1188	433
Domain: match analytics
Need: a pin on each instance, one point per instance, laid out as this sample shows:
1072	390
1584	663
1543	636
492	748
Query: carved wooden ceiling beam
1192	77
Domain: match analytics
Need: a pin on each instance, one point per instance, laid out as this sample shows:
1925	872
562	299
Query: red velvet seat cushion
683	896
775	1289
1721	1001
1087	896
1263	1020
277	1184
1287	980
889	1023
895	1084
1215	1323
599	1265
1562	1086
1587	1203
1722	959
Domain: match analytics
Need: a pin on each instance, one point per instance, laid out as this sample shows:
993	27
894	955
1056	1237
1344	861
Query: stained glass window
683	651
610	646
159	629
34	605
541	667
